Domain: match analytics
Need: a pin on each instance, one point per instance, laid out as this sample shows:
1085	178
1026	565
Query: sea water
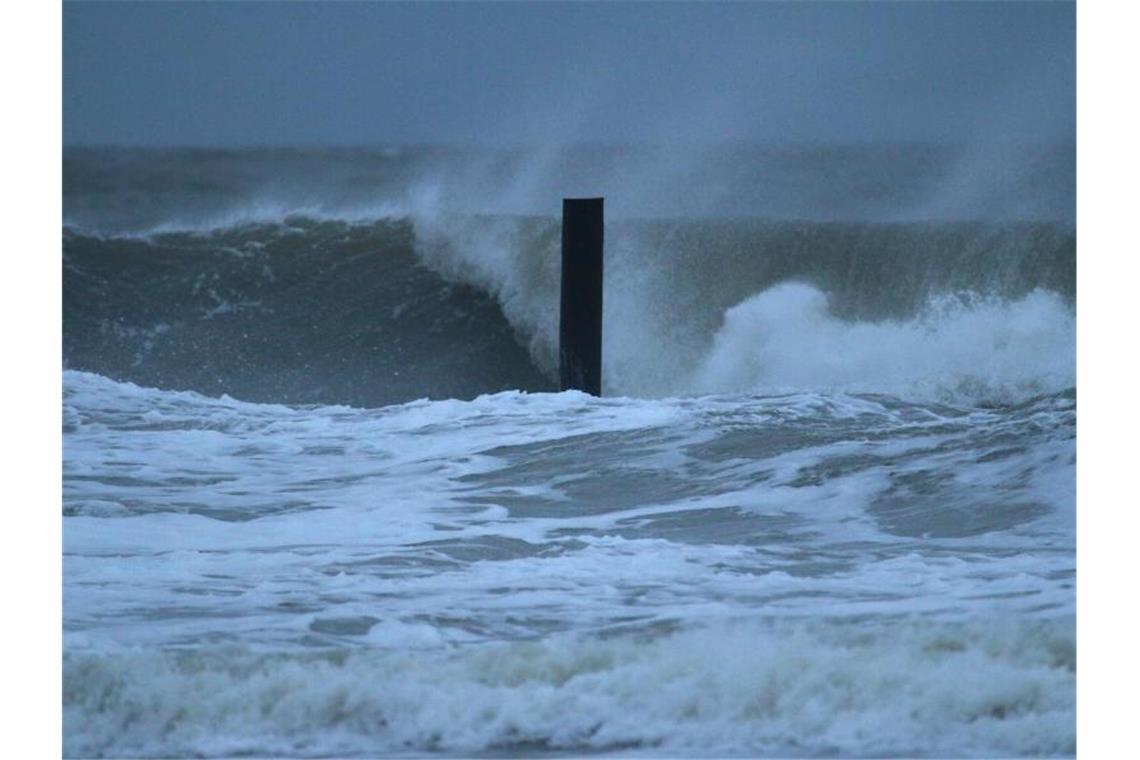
321	498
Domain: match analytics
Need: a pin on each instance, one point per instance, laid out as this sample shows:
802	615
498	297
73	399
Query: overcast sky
525	73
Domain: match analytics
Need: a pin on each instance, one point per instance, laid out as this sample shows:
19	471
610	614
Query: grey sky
364	73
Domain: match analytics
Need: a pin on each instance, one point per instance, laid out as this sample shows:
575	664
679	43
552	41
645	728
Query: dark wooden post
580	326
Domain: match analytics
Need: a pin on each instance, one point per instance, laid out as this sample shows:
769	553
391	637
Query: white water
985	689
803	574
972	349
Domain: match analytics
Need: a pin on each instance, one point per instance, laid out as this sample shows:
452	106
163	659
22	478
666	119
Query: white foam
492	575
972	350
533	512
907	687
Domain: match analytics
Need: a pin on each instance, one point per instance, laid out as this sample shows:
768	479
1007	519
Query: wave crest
366	312
959	348
819	688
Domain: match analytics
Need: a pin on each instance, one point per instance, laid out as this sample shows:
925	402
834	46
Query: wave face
300	311
428	291
316	500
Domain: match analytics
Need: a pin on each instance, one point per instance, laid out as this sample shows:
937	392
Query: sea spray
959	348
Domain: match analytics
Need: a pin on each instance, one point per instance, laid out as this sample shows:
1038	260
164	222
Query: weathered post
580	325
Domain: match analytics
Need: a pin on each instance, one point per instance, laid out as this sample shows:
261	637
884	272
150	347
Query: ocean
322	496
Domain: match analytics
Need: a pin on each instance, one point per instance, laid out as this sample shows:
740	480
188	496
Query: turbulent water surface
320	496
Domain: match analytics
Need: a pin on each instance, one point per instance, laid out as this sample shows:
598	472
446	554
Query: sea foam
993	687
962	348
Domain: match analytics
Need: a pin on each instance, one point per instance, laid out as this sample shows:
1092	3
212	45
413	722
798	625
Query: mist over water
138	190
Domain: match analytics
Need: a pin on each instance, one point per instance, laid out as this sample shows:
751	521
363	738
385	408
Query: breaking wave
368	312
793	689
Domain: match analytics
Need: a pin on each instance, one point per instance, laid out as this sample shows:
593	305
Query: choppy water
319	499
